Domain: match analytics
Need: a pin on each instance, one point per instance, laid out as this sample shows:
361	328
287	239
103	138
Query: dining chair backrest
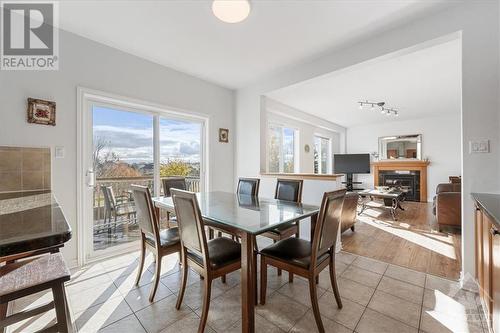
327	224
248	186
109	197
173	182
289	190
146	215
190	221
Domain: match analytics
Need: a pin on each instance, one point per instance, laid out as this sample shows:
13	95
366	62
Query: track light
381	105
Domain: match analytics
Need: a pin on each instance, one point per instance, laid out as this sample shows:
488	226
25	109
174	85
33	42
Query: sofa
447	205
349	212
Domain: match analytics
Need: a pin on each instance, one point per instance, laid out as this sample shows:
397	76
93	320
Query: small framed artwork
223	135
41	112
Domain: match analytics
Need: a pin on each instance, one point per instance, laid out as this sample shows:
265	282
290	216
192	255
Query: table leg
247	283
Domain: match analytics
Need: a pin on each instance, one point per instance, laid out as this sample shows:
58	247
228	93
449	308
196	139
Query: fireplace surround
411	173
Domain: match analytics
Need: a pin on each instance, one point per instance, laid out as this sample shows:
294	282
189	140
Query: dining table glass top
244	212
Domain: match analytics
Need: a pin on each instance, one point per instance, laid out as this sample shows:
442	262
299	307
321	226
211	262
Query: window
322	155
281	149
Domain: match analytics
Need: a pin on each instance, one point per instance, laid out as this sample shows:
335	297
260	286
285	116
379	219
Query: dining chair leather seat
294	250
167	237
221	252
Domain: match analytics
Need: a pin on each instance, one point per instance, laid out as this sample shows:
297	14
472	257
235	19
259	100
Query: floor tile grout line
422	305
366	307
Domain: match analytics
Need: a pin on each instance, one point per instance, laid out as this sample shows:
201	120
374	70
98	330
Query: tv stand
349	184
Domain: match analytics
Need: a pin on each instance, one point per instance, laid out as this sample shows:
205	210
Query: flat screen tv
351	163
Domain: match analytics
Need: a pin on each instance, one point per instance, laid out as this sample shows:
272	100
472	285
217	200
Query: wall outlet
59	152
479	146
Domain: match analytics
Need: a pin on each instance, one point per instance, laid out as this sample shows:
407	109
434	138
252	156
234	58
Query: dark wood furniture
248	186
308	259
211	259
287	190
223	210
160	243
349	212
31	276
487	245
168	184
447	205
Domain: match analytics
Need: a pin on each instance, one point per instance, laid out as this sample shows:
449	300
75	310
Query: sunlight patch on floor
441	244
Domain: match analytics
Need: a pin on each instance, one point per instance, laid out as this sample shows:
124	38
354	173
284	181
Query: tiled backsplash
24	169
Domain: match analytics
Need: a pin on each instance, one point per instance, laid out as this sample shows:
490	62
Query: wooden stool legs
61	307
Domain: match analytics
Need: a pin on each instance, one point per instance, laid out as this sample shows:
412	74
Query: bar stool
27	277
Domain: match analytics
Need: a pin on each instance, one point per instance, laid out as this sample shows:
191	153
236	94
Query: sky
130	136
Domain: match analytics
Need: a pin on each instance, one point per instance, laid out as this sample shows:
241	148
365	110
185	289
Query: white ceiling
186	36
419	84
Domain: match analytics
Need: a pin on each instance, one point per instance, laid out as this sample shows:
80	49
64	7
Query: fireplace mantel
404	165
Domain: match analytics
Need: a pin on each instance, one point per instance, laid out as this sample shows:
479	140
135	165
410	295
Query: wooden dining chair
286	190
248	186
211	259
308	259
168	184
160	243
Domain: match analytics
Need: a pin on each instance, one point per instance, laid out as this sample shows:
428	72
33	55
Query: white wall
441	138
92	65
477	23
307	125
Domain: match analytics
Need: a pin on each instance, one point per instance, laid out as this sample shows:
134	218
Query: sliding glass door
141	147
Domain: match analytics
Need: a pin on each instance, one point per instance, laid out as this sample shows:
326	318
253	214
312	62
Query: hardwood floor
413	241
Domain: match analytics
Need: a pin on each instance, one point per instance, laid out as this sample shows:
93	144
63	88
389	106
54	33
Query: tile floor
377	297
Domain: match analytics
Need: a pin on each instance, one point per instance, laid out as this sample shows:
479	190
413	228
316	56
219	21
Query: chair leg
263	279
314	302
219	234
290	277
157	278
333	279
180	296
141	260
60	305
206	304
223	278
210	233
317	279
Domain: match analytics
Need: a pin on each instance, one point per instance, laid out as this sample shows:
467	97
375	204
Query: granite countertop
31	221
490	203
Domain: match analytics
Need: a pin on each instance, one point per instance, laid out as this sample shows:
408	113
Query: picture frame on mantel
41	112
223	135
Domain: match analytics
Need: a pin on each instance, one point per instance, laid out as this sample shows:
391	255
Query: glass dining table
246	216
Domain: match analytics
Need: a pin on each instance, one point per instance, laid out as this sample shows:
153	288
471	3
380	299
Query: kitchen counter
490	204
31	221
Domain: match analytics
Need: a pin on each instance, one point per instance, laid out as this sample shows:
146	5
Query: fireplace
407	172
406	179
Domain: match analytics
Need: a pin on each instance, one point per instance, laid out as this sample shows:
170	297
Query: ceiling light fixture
381	106
231	11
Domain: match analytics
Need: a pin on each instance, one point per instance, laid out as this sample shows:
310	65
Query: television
351	164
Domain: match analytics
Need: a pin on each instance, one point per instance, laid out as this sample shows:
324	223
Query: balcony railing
121	189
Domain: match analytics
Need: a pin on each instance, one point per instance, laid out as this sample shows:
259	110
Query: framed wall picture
223	135
41	112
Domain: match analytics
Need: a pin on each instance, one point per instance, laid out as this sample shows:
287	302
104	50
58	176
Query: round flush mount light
231	11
